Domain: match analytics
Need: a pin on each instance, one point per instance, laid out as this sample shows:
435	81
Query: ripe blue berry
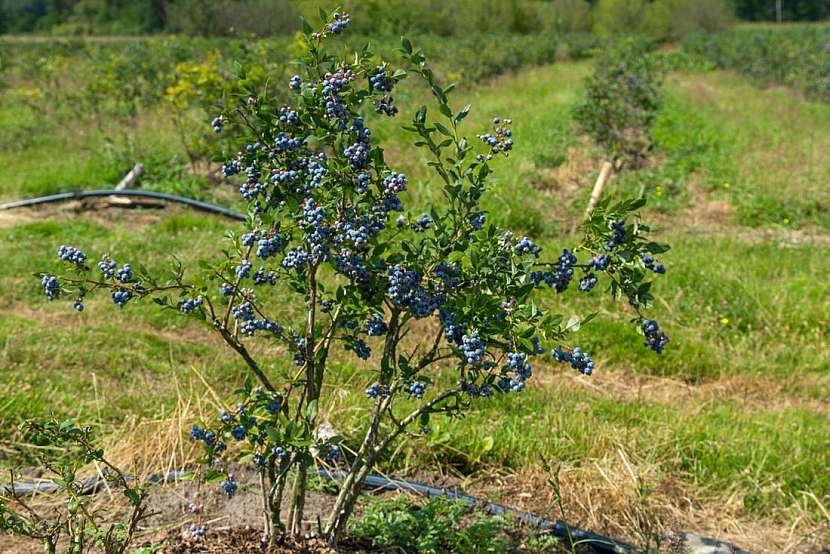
71	255
375	326
376	390
125	274
121	297
588	282
190	304
473	348
51	286
417	389
655	339
229	486
362	349
579	360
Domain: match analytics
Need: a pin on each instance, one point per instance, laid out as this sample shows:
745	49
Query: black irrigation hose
87	485
557	528
92	485
78	194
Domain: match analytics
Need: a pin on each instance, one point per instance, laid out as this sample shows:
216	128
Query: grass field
727	433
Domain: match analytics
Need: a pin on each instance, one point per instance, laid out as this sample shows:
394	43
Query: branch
415	415
242	351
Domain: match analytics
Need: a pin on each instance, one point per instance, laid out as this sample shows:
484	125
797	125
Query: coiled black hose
78	194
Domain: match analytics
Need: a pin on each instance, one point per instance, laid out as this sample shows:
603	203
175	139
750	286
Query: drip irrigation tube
92	485
87	485
78	194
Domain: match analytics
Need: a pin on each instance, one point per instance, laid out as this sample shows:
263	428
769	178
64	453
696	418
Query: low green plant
77	522
444	525
794	56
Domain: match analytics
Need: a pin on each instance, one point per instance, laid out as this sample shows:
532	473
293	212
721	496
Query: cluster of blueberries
655	338
560	278
522	371
406	290
375	326
71	255
262	276
500	141
216	123
278	452
208	437
578	359
190	304
473	349
51	286
361	349
339	23
197	531
652	264
229	485
376	390
417	389
525	246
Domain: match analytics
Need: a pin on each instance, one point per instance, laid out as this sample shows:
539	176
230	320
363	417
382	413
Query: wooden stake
604	173
130	178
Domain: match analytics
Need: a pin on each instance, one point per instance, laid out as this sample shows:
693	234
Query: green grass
744	299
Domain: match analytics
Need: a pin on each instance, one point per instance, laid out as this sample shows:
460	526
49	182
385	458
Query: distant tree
792	10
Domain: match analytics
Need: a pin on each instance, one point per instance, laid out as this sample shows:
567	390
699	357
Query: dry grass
633	500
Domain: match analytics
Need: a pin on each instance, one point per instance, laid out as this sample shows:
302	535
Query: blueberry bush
328	226
621	101
797	57
76	522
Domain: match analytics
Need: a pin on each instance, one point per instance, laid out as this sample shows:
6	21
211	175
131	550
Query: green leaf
421	115
657	248
134	497
443	130
574	323
406	45
463	113
311	410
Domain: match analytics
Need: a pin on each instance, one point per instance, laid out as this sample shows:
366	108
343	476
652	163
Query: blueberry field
417	290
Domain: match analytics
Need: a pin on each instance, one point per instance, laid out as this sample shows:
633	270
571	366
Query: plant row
798	57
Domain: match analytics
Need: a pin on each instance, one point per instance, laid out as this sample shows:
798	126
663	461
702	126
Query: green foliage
441	525
621	101
794	56
64	449
661	19
458	18
224	18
